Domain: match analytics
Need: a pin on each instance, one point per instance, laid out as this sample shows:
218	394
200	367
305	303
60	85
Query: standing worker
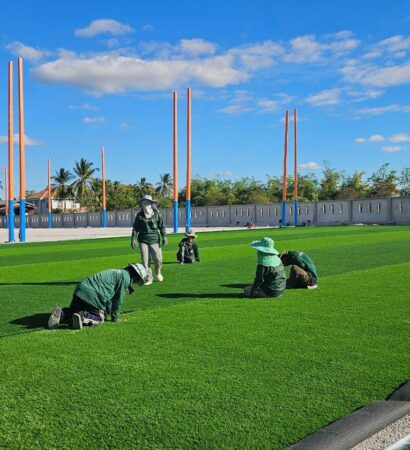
99	295
303	273
150	232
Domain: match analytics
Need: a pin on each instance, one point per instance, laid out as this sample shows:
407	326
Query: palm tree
84	171
165	185
143	187
62	190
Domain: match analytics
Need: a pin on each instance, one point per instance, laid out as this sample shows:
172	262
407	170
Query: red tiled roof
42	194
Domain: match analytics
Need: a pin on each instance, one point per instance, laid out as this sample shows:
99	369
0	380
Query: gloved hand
133	240
164	241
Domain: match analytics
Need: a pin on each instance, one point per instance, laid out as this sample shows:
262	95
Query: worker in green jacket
149	230
99	296
270	279
303	273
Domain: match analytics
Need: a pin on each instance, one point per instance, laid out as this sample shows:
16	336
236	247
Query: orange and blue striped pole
11	156
104	205
285	162
50	218
175	160
22	154
295	174
188	163
6	195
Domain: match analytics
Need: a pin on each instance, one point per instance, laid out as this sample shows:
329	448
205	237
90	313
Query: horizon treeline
84	187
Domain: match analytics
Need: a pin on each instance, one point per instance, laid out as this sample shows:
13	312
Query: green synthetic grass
194	364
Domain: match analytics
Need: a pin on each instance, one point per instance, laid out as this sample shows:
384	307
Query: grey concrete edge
351	430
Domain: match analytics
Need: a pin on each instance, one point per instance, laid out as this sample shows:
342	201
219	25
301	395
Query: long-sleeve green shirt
105	290
150	229
188	250
303	261
271	280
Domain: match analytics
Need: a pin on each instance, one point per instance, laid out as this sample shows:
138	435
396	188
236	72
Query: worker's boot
55	318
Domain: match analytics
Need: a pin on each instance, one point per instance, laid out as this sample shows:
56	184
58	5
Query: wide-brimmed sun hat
147	199
139	269
190	233
265	245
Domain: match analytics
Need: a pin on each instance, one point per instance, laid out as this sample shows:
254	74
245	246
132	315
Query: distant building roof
41	194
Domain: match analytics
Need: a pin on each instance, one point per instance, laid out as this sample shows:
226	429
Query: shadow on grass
209	295
235	285
32	322
43	283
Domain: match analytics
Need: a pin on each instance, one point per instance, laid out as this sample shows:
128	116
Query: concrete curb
351	430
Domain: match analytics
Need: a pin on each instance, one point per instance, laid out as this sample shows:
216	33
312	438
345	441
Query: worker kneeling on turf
99	296
188	251
270	279
303	272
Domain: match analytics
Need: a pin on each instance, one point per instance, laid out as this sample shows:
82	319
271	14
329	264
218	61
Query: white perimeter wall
338	212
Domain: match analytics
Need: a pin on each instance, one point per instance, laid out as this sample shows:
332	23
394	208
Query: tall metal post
104	211
6	195
22	154
50	218
188	163
295	175
285	162
11	156
175	160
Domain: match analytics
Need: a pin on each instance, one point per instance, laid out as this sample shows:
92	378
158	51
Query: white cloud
267	106
258	56
148	27
400	137
195	47
226	173
326	97
28	140
125	126
392	148
85	106
310	166
239	104
30	53
110	73
371	139
377	111
307	49
104	26
374	75
100	119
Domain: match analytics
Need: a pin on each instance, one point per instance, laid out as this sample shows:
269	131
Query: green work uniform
150	229
270	280
300	259
105	290
188	251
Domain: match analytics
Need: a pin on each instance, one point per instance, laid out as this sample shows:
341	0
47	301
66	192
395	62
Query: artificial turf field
193	364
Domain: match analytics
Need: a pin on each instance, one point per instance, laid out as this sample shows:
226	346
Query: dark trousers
299	278
79	306
182	257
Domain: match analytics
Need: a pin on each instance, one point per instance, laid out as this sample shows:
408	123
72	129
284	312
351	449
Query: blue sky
102	73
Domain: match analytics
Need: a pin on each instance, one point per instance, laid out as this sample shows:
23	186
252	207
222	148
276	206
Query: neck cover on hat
267	260
148	210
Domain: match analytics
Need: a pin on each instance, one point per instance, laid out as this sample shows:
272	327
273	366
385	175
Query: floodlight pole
188	163
50	219
6	195
175	160
10	155
295	175
285	160
22	154
104	211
